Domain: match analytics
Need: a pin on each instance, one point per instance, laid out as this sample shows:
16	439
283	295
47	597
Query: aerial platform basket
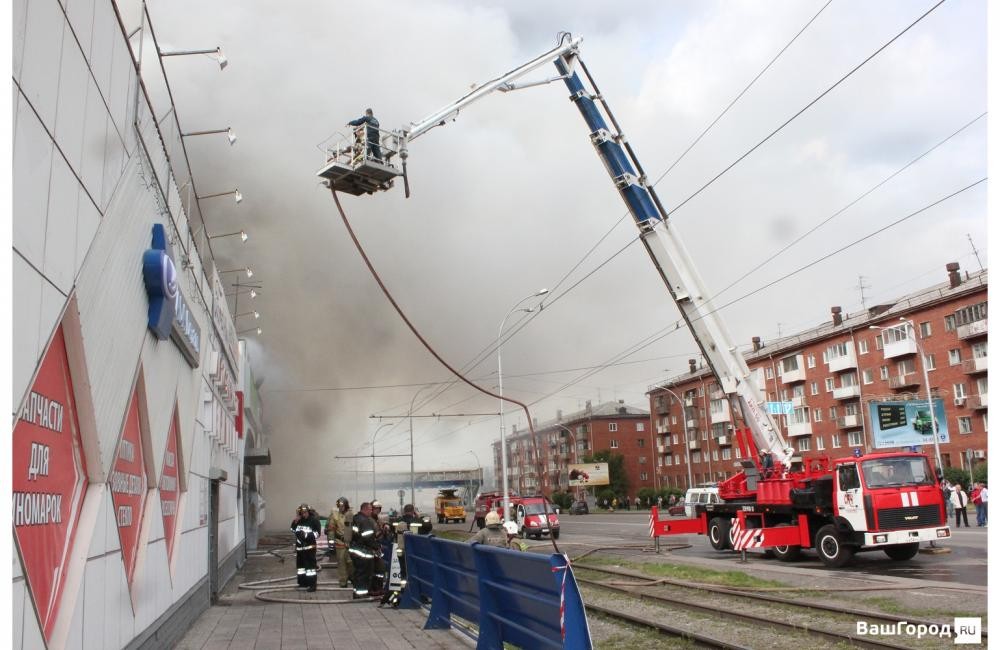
354	169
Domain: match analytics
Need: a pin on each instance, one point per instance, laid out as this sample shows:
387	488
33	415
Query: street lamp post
911	331
687	447
479	467
503	433
410	414
381	426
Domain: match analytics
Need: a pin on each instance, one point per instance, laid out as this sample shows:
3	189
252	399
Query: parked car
579	508
703	494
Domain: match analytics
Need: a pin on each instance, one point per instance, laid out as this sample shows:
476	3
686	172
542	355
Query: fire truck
776	502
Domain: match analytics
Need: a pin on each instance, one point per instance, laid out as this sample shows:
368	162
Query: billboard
906	423
589	474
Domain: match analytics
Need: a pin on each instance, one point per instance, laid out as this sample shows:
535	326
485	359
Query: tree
957	475
617	478
562	499
981	473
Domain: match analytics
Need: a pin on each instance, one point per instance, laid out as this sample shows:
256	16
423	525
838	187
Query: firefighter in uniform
493	533
384	535
307	529
338	530
363	548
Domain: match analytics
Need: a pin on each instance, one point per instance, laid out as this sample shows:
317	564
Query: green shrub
562	499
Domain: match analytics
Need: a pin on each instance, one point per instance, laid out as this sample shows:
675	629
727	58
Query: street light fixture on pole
479	467
687	447
410	414
911	331
503	433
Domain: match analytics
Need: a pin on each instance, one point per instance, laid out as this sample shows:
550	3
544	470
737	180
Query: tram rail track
642	592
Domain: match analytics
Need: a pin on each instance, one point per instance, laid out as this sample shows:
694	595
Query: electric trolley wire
806	107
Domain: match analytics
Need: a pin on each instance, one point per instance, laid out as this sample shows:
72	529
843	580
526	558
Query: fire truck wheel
831	548
787	553
718	533
903	551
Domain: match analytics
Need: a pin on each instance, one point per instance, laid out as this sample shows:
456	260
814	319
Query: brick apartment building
610	426
831	374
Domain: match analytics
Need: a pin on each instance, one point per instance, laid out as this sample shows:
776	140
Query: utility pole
974	251
861	287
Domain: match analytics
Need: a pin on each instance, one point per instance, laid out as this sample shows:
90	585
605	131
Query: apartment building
834	377
540	464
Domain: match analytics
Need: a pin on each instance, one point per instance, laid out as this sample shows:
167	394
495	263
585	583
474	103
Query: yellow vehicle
448	507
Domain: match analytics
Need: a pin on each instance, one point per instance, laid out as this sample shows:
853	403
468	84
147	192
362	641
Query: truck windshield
537	509
894	472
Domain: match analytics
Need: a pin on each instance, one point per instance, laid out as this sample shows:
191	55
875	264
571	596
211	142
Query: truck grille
914	517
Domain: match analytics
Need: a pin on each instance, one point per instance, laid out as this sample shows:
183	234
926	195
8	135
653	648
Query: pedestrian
493	534
614	504
984	494
306	528
515	544
384	535
363	549
338	529
977	500
371	131
946	490
960	500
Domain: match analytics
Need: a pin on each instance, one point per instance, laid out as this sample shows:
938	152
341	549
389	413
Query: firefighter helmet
492	518
342	501
376	504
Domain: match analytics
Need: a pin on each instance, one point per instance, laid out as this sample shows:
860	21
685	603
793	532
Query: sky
511	197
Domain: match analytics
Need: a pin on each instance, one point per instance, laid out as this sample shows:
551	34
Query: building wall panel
26	314
32	168
39	78
95	123
74	75
80	14
94	604
60	228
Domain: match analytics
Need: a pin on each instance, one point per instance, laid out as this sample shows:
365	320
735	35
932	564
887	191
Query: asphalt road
965	564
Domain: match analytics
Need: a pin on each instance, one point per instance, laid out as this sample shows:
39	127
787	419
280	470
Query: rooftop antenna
974	251
861	287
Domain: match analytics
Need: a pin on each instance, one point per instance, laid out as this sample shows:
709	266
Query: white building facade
128	440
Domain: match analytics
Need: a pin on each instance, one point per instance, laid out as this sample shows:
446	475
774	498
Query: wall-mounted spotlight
242	233
255	314
258	330
245	269
253	292
228	131
235	193
215	54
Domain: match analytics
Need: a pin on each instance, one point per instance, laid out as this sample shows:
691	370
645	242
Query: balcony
661	449
694	445
849	422
847	361
977	401
722	415
972	330
692	424
799	401
908	380
900	348
724	441
661	430
798	374
799	429
975	366
847	392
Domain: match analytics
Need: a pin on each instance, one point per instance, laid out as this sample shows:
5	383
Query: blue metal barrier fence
525	599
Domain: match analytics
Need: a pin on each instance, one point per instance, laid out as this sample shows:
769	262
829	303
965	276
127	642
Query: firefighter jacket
491	536
338	528
307	530
363	542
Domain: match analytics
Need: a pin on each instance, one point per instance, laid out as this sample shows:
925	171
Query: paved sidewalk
240	621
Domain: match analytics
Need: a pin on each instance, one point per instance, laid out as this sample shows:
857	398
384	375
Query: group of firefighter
360	543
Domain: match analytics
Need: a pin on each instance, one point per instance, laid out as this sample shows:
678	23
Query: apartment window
835	441
965	425
883	372
614	444
727	453
925	329
854	439
836	351
739	455
971	314
820	444
817	415
785	395
863	346
799	416
640	426
929	361
803	443
982	385
811	361
980	351
715	454
696	457
799	390
848	379
790	364
833	413
867	377
640	442
719	429
986	424
642	460
704	434
768	373
814	388
673	439
954	357
829	384
949	323
612	426
643	476
669	461
958	390
878	341
673	419
851	408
